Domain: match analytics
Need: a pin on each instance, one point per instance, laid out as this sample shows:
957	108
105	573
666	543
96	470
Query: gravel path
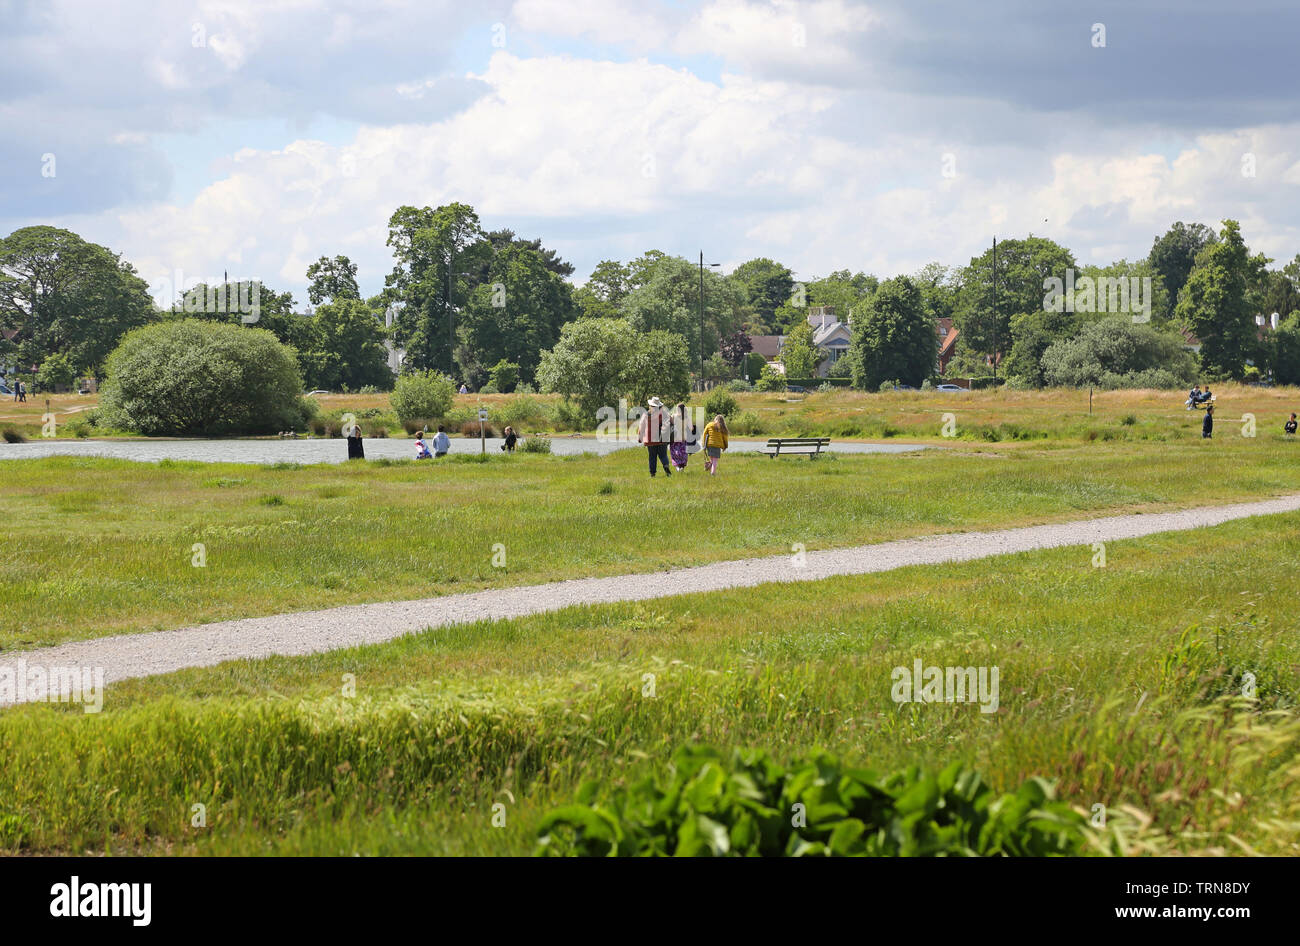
307	632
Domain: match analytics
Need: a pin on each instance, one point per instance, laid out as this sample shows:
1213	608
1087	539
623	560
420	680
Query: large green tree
514	315
1022	268
603	294
1174	254
499	240
1280	292
669	300
61	294
797	352
1216	304
348	349
438	254
589	362
894	339
767	286
332	279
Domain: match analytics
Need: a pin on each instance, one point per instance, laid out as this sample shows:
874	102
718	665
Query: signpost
482	436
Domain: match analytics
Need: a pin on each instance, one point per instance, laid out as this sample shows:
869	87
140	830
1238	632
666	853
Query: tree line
497	311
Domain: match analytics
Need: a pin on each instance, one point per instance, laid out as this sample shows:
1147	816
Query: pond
336	450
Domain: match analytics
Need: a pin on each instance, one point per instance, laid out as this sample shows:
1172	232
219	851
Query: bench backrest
796	441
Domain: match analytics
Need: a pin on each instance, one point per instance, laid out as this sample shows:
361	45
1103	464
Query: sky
197	137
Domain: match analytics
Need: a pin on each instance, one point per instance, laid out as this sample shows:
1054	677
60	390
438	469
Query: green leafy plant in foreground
747	804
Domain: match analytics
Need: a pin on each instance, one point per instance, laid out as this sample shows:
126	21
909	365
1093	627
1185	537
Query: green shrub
458	417
191	377
721	402
746	804
57	371
489	388
504	375
770	380
12	436
745	424
422	394
536	445
567	415
521	410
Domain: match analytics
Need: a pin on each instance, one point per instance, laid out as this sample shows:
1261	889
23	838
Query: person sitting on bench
1193	397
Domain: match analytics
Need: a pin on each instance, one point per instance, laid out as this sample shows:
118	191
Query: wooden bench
812	446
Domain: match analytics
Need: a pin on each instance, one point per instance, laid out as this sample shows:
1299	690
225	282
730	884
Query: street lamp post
702	316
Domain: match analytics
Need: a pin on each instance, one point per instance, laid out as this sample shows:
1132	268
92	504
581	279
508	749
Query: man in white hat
654	432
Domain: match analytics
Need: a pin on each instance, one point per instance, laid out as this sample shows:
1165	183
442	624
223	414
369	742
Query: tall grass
1136	707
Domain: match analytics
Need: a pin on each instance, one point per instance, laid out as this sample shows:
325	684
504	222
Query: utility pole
995	313
701	320
702	316
446	298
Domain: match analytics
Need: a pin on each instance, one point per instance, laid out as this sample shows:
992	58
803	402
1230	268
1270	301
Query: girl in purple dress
683	431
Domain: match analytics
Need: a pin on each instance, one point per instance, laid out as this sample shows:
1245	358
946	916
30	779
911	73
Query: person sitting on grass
1290	426
1207	425
715	441
421	448
511	439
441	442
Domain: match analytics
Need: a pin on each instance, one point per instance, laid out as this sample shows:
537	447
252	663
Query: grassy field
97	546
1117	682
1122	684
982	416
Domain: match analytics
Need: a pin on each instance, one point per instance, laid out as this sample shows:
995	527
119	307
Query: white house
830	336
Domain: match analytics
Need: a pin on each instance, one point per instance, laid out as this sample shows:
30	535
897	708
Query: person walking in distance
1290	426
1207	425
716	439
654	431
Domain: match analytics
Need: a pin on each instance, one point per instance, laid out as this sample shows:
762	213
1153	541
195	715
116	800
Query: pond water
336	450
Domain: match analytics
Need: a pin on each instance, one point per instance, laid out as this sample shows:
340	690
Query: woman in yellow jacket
715	441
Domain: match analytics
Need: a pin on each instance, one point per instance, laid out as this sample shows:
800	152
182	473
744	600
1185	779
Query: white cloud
605	159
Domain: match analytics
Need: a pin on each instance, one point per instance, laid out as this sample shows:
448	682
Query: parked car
949	387
794	389
904	387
